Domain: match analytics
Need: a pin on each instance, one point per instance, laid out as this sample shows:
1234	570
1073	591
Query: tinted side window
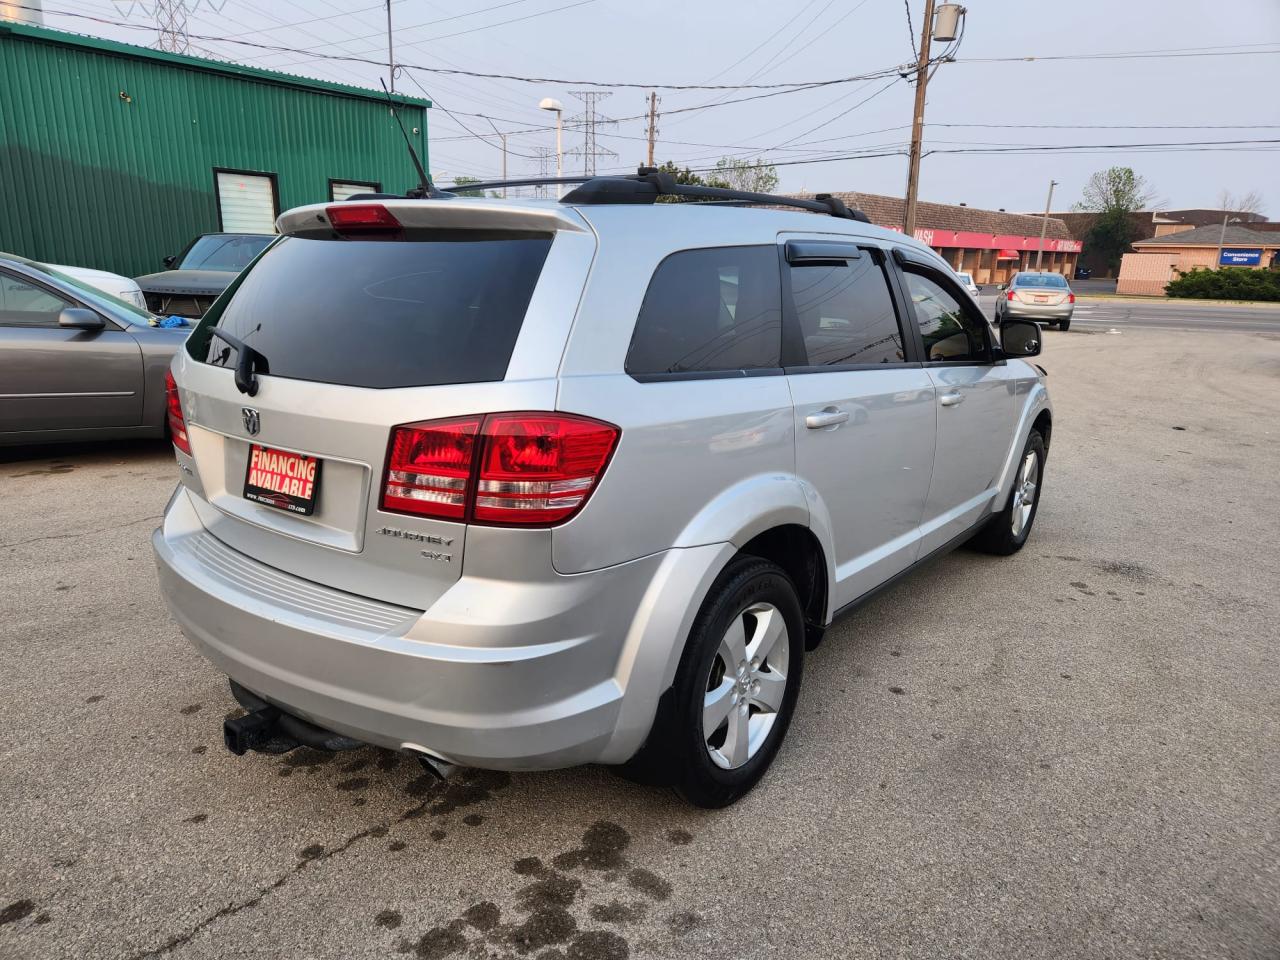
23	304
846	313
710	310
949	332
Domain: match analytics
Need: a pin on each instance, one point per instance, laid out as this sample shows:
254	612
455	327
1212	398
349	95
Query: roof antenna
425	187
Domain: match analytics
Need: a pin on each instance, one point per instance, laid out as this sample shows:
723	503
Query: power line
460	33
911	31
792	86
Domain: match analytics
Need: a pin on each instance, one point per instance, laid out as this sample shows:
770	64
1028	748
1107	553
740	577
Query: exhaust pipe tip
438	767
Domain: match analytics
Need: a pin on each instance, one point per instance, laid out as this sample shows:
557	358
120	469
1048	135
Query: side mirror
1002	286
1020	338
170	260
78	318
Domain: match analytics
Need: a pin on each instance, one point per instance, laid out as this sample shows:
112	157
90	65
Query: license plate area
1042	299
280	479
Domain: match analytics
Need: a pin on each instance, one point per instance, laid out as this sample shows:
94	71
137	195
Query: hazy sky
753	41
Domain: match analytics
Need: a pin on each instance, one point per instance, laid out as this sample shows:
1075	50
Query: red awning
1007	254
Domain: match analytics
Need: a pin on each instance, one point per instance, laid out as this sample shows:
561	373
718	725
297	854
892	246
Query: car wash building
113	156
992	245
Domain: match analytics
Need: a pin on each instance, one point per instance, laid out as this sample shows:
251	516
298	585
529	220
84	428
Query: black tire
677	752
999	536
1064	325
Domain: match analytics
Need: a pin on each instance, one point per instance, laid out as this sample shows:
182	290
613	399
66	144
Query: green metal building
113	156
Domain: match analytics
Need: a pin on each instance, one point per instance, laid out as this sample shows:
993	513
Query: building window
247	202
342	189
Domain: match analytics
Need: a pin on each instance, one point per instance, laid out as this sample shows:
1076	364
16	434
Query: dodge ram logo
252	422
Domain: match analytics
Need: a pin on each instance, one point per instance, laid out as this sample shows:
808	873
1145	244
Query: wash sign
1240	258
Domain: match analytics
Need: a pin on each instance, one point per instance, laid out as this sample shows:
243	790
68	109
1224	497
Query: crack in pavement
378	830
64	536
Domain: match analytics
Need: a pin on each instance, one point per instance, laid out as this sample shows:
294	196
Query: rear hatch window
374	313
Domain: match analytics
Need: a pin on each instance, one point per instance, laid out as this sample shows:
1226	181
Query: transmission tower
546	168
171	23
589	119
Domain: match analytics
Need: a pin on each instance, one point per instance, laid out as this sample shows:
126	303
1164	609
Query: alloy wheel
746	685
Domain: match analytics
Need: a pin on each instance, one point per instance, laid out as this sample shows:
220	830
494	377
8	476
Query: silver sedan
1032	295
77	363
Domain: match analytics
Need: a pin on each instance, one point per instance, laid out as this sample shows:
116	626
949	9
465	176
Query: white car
122	288
967	280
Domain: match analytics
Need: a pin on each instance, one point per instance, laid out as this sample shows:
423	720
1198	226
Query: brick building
1145	224
990	244
1159	259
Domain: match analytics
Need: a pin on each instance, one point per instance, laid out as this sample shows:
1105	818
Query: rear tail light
1009	295
504	469
365	220
1071	298
177	422
429	468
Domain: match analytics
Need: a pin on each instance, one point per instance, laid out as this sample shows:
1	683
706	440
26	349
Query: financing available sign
1240	258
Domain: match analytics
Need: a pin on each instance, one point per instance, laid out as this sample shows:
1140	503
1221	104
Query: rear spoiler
454	214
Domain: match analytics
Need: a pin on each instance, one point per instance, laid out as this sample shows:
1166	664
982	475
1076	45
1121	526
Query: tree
686	177
1113	196
463	181
1249	203
739	174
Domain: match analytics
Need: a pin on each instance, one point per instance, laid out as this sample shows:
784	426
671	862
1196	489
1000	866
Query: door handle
953	399
826	417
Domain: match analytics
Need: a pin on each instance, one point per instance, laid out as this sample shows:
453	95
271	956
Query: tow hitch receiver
268	729
253	731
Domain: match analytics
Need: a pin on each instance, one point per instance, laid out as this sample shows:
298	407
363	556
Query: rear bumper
1031	311
534	678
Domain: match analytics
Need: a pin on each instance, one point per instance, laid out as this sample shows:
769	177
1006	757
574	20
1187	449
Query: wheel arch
797	550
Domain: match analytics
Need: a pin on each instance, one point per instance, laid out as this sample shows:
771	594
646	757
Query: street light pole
917	122
556	107
1222	241
1044	224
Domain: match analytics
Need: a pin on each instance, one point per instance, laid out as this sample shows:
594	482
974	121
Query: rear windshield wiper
249	362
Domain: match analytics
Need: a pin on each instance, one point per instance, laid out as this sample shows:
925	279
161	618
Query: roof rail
647	184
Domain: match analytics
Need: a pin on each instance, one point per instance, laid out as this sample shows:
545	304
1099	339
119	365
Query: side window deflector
904	255
825	252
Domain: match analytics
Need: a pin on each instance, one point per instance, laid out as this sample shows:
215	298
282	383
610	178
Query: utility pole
917	122
503	137
653	119
391	57
1044	224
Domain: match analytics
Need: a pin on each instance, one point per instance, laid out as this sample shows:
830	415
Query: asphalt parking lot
1073	752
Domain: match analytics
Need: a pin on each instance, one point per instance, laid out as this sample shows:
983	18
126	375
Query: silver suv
527	484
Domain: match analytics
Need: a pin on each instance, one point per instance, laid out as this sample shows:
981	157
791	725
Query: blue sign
1240	258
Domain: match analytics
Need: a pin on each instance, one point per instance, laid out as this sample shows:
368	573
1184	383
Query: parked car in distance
966	279
77	363
197	276
122	288
1083	273
1033	295
532	483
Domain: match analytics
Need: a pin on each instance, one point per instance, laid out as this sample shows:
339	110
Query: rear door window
845	312
371	313
712	310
